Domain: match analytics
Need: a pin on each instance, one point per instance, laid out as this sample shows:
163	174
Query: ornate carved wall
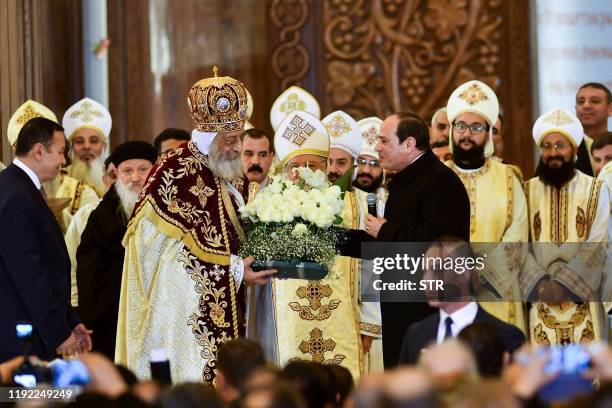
40	54
380	56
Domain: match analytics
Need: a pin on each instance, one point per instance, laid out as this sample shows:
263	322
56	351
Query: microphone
371	200
160	367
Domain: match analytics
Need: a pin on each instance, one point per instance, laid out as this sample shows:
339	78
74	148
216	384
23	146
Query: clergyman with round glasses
498	208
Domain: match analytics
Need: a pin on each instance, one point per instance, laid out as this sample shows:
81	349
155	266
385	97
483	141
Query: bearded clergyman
183	284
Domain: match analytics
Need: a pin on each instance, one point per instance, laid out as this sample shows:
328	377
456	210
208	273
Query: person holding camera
34	262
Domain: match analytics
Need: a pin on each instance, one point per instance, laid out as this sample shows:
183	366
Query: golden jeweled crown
218	104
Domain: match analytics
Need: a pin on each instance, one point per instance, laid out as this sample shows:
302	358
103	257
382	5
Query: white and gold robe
370	320
79	192
73	239
498	213
576	213
182	289
313	320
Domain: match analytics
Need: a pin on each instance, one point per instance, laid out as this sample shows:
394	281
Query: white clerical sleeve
73	240
157	299
370	321
237	268
583	275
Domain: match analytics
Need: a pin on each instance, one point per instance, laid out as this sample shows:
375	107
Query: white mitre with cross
475	97
87	114
558	120
370	129
28	110
292	99
300	133
344	132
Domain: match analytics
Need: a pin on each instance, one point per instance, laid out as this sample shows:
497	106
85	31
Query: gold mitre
218	104
28	110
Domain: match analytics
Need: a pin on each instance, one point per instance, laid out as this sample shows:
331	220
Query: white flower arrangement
313	200
291	220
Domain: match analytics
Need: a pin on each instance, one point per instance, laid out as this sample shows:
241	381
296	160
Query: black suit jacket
421	334
34	269
99	270
426	201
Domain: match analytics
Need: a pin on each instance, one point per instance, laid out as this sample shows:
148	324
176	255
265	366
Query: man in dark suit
34	262
456	310
426	200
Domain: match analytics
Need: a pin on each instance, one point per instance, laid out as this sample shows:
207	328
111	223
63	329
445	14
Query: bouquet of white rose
289	223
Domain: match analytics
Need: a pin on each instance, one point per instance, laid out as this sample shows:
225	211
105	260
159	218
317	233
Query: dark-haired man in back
601	150
34	262
593	107
426	200
169	139
257	154
237	359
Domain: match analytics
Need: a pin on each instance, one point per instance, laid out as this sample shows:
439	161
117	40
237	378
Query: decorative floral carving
445	17
290	60
389	55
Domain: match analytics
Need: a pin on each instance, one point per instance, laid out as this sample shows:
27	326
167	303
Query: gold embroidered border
233	302
592	204
76	203
510	197
227	201
354	271
564	198
166	226
469	181
370	328
570	279
558	213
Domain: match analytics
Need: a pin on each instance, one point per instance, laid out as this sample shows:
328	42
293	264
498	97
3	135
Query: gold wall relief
317	347
314	292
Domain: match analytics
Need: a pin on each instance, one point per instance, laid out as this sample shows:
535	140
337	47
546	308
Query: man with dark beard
100	253
183	284
571	211
498	209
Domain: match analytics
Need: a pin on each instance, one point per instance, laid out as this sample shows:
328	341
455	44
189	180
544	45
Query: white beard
127	197
92	172
222	167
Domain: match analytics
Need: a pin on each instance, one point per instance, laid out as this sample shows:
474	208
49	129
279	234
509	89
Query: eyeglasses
475	128
372	163
547	147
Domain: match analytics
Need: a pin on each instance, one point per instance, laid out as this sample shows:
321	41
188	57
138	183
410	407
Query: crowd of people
115	258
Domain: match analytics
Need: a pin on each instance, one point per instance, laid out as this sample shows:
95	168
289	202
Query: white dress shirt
461	318
28	171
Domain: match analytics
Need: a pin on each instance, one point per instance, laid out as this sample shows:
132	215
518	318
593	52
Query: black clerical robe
99	268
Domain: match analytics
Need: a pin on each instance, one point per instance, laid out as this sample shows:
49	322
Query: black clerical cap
135	149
